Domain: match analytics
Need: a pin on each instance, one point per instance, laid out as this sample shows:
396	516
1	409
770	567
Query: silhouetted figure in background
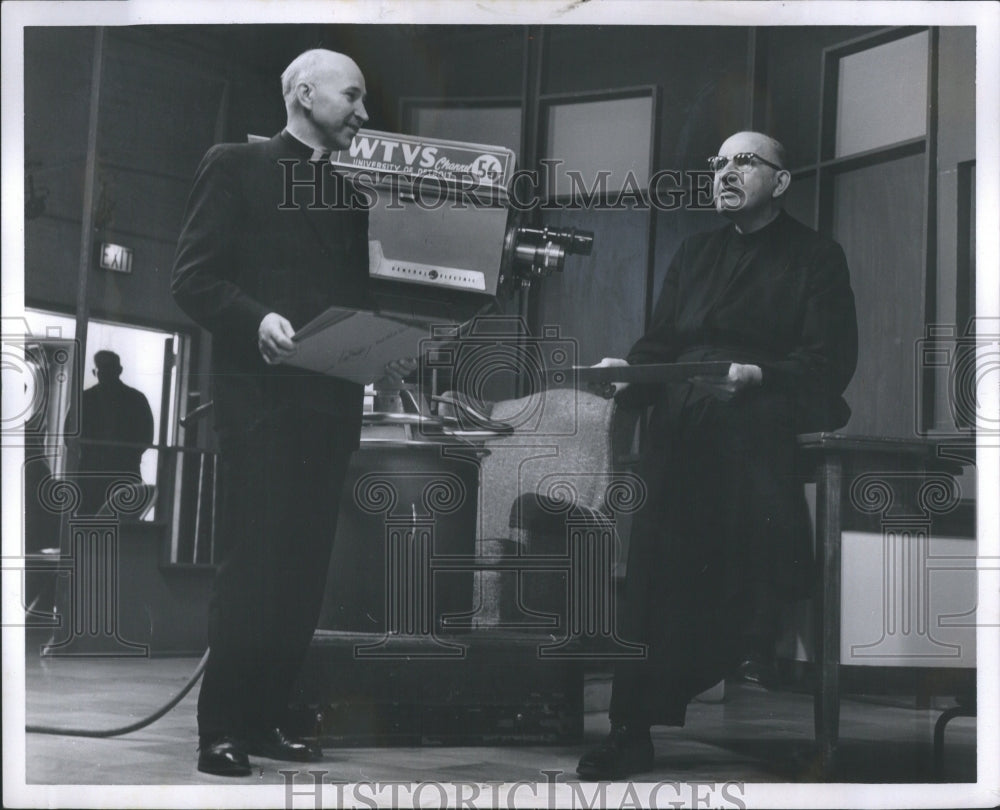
110	412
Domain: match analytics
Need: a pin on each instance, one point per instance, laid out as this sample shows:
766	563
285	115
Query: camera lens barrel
545	249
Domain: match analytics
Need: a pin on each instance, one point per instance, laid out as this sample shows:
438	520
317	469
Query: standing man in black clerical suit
723	538
264	249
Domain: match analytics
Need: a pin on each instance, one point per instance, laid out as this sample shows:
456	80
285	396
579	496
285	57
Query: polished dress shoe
759	670
626	750
223	756
274	744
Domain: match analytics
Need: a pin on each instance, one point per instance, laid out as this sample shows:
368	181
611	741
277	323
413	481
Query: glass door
147	358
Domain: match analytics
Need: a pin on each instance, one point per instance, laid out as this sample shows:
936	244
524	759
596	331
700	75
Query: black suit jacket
253	242
114	412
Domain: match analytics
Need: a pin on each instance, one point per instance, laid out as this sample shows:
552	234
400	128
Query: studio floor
753	735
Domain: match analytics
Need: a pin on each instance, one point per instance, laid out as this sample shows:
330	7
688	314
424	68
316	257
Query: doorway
149	364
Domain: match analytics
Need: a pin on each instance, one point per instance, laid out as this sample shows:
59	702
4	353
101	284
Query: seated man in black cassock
723	538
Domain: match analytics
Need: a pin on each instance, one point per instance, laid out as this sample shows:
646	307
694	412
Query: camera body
440	219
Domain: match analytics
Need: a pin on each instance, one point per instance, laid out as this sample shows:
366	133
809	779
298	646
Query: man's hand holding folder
720	378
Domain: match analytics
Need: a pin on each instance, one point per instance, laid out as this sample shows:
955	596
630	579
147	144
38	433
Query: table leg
826	705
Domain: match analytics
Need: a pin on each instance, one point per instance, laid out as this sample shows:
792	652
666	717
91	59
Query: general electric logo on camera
964	368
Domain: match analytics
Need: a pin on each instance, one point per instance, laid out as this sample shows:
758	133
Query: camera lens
545	249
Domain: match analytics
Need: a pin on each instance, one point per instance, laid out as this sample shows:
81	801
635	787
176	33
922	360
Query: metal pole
89	195
197	510
531	88
86	254
211	527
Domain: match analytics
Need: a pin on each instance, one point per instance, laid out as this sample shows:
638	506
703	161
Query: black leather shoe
758	670
624	751
273	744
223	756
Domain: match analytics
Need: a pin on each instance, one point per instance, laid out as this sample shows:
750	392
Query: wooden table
835	461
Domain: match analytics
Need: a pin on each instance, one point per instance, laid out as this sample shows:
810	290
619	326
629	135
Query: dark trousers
721	542
281	487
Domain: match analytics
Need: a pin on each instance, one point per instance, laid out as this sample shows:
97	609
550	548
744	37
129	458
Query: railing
193	502
177	488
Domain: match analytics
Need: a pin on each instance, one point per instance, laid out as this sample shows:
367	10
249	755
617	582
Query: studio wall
167	93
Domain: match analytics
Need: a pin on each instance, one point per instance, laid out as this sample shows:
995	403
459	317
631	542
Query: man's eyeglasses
741	160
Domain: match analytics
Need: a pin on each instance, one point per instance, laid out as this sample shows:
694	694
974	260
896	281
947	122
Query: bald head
309	66
324	95
750	191
749	141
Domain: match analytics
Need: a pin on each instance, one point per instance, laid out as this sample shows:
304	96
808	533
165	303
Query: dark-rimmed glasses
741	160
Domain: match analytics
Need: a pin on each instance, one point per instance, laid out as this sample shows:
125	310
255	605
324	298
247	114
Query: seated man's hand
394	372
608	390
740	376
274	338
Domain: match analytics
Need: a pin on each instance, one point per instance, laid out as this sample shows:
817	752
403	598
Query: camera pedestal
496	692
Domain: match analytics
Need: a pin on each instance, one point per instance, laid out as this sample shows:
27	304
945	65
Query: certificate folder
355	345
651	372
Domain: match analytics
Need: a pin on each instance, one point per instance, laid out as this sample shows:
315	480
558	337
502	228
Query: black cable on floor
116	732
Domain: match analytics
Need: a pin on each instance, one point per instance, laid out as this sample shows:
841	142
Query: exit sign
116	257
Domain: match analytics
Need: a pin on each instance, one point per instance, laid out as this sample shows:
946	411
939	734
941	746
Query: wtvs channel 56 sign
411	157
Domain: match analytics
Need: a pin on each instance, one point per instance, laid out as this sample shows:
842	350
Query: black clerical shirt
779	298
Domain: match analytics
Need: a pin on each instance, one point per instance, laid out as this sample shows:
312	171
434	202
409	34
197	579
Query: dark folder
651	372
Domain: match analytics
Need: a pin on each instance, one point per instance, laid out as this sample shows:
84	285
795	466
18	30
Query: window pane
791	103
879	221
882	95
611	136
494	126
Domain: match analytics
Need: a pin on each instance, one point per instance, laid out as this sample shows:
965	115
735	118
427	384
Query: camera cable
117	732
